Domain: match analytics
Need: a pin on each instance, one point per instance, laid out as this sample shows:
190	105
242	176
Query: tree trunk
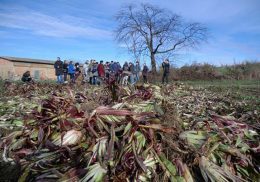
153	63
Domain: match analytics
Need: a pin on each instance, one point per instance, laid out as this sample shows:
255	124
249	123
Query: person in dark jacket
77	71
145	73
90	71
131	70
125	66
119	66
111	67
65	71
107	69
58	65
125	74
166	71
94	73
115	67
119	72
27	77
137	70
71	71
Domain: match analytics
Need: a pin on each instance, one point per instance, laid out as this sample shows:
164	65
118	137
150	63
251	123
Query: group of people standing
63	69
95	72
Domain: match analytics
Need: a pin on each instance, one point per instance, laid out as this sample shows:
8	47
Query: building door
36	74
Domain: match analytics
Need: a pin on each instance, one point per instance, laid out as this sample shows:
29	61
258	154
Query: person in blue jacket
111	67
71	71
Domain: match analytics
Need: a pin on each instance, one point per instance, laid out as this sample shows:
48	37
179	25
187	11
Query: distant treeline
246	70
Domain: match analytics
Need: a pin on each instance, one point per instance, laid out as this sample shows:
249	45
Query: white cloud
42	24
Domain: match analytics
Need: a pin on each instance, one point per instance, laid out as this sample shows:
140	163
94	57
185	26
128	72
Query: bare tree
149	30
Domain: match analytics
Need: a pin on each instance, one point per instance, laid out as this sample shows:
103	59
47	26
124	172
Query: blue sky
83	29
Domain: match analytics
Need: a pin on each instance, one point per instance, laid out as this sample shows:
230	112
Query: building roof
27	60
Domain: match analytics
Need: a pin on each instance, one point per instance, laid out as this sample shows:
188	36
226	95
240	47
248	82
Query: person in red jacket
101	71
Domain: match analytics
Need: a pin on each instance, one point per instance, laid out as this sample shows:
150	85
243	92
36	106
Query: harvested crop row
61	139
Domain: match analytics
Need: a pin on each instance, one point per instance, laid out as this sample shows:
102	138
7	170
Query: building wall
6	69
45	71
15	70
